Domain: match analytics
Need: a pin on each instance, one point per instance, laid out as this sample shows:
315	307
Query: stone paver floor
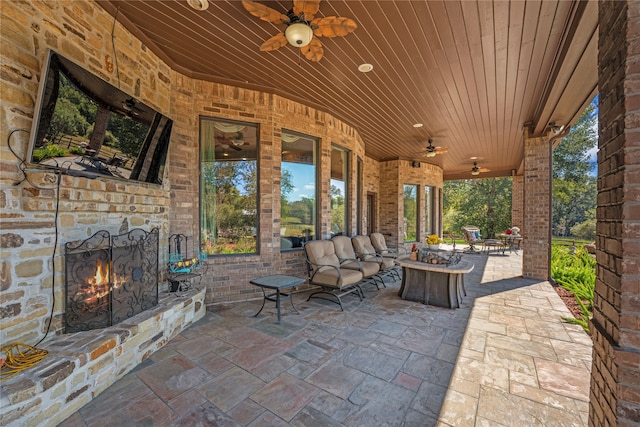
505	358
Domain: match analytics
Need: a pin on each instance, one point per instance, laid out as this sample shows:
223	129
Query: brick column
536	224
517	200
615	378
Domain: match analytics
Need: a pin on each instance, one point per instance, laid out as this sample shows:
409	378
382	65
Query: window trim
316	154
201	119
347	190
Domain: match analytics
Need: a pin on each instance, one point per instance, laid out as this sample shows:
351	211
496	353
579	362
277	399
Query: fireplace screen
110	278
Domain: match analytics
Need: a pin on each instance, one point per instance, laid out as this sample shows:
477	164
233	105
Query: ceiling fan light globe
475	172
298	34
431	153
199	4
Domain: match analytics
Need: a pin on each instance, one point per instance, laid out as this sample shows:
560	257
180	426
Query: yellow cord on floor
18	359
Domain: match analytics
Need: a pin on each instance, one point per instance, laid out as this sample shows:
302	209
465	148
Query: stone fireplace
109	279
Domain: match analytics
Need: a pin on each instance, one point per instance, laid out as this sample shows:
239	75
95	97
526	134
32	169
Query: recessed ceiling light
199	4
365	68
418	125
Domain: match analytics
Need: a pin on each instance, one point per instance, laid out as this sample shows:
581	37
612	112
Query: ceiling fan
130	106
301	27
234	142
431	150
475	170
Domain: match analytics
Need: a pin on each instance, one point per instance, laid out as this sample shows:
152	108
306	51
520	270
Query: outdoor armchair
380	245
366	252
472	236
324	270
348	259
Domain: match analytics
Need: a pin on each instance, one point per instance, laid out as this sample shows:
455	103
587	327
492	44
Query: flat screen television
84	126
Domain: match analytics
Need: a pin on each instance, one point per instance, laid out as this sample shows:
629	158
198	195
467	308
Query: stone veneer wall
615	326
81	31
537	208
394	175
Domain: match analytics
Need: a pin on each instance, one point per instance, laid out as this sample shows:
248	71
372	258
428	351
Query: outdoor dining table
510	241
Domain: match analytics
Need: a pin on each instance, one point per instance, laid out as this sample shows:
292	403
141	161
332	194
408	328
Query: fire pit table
441	285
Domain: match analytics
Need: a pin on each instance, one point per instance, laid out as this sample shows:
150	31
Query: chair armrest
321	267
363	256
348	260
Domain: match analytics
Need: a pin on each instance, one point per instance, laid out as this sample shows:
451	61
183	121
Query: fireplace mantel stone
81	365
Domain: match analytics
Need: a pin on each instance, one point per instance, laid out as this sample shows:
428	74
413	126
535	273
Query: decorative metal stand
110	278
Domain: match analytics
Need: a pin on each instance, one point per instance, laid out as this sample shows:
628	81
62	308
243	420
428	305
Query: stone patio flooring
505	358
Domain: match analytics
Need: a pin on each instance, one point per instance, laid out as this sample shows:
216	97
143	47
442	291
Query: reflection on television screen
88	127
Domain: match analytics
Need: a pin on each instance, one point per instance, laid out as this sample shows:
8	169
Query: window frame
347	181
316	160
416	188
201	147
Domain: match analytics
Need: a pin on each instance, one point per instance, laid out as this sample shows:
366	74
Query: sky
304	180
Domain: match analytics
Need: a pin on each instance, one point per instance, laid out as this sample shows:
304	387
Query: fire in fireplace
110	278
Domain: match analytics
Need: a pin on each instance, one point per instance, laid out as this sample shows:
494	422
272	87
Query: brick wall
229	275
615	327
537	208
394	175
517	201
80	31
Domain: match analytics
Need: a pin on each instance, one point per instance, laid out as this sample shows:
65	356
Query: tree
337	210
129	134
286	187
485	203
574	188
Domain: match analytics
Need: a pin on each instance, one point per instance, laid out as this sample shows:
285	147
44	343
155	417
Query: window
429	193
298	201
410	213
339	195
228	186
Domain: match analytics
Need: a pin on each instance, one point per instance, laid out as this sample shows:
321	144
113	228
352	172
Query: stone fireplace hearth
81	365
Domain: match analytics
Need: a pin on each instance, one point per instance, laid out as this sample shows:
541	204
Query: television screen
85	126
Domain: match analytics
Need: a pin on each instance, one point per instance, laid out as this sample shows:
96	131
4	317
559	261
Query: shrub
48	151
585	230
576	273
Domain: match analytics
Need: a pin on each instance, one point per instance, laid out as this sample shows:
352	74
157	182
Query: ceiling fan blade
274	43
308	7
333	26
441	150
484	170
265	12
313	51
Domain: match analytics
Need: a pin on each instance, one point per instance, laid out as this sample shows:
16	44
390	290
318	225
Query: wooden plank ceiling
473	73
